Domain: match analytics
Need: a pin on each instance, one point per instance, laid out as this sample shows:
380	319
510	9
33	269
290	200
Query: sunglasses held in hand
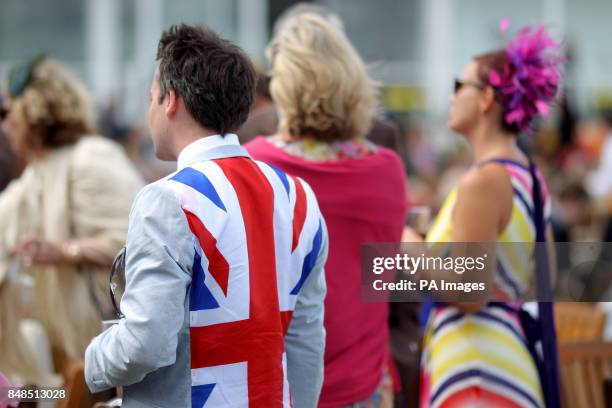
117	281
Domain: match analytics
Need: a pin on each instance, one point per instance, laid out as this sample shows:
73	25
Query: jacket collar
210	148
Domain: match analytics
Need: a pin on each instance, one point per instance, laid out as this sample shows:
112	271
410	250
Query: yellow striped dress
481	359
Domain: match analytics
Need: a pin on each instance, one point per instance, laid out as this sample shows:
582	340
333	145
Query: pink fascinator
531	76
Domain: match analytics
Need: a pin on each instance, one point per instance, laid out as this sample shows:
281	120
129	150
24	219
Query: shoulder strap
538	208
502	160
550	377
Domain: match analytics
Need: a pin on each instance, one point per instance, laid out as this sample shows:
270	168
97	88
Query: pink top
362	200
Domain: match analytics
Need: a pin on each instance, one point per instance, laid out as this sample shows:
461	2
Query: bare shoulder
485	195
486	181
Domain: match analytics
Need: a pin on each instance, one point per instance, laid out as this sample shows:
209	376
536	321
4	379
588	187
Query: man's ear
172	103
488	99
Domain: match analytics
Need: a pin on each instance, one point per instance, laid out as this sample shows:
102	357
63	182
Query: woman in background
65	217
476	354
326	103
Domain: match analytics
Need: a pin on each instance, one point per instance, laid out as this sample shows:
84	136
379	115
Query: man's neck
187	135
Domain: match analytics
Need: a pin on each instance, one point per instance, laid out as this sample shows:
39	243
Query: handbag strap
538	206
546	321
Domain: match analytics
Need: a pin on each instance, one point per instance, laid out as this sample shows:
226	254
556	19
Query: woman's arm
478	216
103	183
482	209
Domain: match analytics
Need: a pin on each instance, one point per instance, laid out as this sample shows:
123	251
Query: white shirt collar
210	147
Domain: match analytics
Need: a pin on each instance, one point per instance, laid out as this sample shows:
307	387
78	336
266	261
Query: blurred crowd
574	149
110	160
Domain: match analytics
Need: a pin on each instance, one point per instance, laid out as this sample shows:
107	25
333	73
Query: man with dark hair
213	77
224	258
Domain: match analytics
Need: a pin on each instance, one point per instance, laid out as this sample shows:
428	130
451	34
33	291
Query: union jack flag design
257	234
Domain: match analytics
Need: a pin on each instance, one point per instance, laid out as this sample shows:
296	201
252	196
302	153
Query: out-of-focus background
413	47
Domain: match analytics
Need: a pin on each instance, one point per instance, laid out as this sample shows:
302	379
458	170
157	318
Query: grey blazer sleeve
305	339
158	273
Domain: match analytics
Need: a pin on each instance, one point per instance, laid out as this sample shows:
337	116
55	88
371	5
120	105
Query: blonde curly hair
319	82
55	105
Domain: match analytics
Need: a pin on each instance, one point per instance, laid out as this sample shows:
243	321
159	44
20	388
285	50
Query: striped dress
481	359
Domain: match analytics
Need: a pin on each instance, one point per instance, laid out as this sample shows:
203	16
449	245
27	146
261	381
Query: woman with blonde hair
326	103
65	217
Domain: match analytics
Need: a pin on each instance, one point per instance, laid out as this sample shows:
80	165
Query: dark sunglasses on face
3	113
460	83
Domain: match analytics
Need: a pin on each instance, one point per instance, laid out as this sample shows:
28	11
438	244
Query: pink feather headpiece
531	76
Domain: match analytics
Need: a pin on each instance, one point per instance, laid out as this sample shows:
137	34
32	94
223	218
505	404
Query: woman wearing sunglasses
65	217
477	354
